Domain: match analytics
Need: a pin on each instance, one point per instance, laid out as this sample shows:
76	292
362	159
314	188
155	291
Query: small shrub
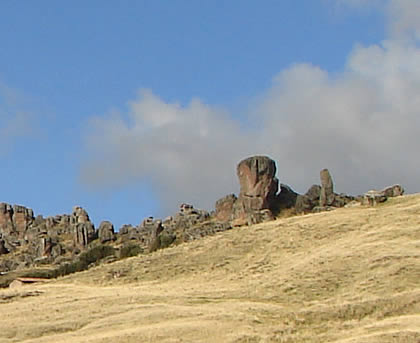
166	240
130	250
85	259
163	241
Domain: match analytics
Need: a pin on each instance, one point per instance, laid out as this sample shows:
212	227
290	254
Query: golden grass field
346	276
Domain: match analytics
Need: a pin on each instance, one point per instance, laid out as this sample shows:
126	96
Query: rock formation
326	197
258	183
258	189
224	207
374	197
26	240
106	232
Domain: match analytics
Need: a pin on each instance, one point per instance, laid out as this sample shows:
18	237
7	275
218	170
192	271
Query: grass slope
351	275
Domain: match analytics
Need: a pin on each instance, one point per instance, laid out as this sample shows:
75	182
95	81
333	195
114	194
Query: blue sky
129	108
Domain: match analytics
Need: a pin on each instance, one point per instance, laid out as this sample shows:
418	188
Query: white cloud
404	18
363	124
189	153
15	122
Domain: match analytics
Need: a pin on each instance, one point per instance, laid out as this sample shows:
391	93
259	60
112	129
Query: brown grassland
346	276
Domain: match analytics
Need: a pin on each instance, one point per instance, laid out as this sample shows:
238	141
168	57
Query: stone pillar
326	197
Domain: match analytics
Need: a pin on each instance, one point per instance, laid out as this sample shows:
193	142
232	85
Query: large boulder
258	183
106	232
258	189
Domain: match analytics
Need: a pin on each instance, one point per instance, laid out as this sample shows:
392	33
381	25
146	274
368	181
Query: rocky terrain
27	240
345	276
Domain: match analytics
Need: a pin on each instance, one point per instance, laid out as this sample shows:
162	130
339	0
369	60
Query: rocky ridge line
27	241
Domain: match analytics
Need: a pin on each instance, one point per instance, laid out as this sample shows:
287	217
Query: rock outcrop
26	240
224	208
326	197
374	197
106	232
258	190
258	183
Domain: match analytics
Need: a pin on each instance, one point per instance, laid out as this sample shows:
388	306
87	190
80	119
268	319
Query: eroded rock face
393	191
374	197
258	191
258	183
106	232
326	197
83	234
286	198
224	207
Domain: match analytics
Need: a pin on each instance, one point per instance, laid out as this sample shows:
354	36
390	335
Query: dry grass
351	275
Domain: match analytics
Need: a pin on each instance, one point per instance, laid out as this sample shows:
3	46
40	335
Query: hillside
349	275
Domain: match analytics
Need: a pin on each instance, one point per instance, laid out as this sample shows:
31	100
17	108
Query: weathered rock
6	218
224	208
22	218
45	247
305	203
327	189
106	232
258	188
79	216
286	198
393	191
373	197
84	233
258	183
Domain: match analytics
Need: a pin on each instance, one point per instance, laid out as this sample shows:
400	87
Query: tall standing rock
6	218
83	229
326	197
258	187
258	182
22	219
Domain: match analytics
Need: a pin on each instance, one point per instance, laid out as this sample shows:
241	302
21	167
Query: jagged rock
341	200
106	232
45	247
79	216
22	218
305	203
258	183
393	191
373	197
6	218
286	198
326	197
224	208
84	233
258	187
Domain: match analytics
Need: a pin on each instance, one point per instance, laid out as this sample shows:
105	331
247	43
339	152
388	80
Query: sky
130	108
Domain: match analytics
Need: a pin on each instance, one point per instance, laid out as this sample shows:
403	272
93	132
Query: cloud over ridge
362	123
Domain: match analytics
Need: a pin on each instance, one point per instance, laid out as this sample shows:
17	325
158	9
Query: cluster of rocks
58	239
259	201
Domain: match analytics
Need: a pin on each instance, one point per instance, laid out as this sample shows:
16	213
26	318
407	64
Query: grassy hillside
351	275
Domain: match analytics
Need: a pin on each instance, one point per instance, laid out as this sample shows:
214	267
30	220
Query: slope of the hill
350	275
